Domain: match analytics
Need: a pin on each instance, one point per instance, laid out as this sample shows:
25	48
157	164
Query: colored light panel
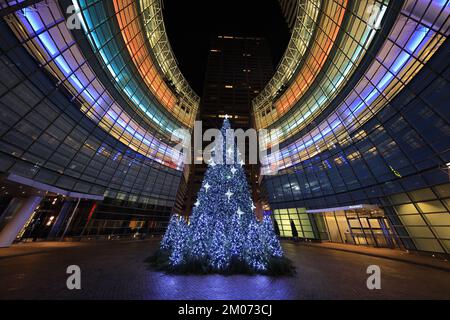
51	44
350	49
409	46
105	41
131	30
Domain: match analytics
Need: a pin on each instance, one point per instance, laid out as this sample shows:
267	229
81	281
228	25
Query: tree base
159	261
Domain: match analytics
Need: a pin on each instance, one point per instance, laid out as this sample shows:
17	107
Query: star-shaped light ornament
241	163
253	206
230	151
227	116
211	162
239	212
197	203
233	170
229	194
206	186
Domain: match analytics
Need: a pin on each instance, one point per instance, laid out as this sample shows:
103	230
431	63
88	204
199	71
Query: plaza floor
116	270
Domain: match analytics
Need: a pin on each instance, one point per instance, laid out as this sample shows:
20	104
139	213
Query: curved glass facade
90	110
65	61
409	45
128	19
370	125
359	102
100	28
305	22
349	48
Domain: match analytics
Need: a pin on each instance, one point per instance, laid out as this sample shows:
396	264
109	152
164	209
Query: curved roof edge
157	36
303	29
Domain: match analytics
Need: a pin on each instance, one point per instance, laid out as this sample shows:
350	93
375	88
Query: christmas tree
168	240
223	230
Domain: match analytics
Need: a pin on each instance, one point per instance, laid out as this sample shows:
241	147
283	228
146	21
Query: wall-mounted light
50	220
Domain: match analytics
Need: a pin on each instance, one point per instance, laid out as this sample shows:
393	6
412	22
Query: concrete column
20	217
9	211
60	219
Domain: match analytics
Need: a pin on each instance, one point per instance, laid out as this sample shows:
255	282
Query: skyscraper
237	69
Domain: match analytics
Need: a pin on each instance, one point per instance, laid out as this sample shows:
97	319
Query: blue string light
223	227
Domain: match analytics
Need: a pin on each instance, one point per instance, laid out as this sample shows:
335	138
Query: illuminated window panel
128	19
326	36
294	125
52	45
307	16
304	79
297	216
427	222
104	40
410	44
350	50
153	26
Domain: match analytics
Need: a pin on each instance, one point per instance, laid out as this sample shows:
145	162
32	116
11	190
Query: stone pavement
27	248
423	259
115	270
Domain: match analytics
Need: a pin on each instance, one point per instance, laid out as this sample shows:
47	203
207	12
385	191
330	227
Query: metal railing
307	14
157	36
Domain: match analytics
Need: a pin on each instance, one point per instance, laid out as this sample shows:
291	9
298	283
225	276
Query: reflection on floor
115	270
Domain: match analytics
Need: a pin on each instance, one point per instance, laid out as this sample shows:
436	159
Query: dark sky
191	23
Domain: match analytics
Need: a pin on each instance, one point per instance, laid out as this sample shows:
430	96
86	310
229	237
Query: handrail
301	36
156	33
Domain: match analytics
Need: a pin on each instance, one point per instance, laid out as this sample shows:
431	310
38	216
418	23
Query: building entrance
359	225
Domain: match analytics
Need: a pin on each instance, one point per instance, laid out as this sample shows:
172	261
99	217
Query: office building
91	94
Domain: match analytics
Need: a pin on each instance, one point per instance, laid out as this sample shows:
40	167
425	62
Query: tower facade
237	69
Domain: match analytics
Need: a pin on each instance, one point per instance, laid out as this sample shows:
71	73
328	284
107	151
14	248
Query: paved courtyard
115	270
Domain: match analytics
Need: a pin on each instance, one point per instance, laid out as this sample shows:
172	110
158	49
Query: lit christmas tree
254	253
223	228
219	253
270	239
178	248
168	240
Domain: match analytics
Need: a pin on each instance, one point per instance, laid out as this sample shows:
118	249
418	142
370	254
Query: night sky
190	25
